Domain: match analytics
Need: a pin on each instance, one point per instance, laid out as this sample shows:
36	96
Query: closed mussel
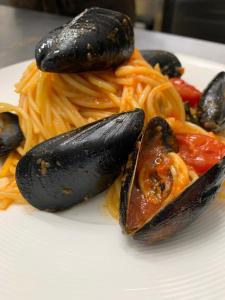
77	165
168	62
96	39
211	107
10	133
157	198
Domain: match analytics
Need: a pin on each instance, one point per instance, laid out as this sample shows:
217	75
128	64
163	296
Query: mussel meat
151	209
211	107
10	133
96	39
79	164
168	62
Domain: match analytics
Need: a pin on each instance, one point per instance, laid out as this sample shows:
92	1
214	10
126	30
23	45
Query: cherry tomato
200	151
187	92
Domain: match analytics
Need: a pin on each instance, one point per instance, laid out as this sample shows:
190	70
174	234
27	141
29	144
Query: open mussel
10	133
77	165
211	107
168	62
157	197
96	39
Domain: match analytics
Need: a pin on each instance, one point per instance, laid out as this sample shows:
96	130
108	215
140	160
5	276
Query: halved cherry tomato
187	92
200	151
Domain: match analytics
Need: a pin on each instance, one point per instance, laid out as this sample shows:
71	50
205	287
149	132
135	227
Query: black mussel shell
169	63
94	40
10	133
178	213
79	164
211	107
157	126
185	208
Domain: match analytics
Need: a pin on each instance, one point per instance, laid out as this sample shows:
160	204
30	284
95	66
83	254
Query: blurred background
204	19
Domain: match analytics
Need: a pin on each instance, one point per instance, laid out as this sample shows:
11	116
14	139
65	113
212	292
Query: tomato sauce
140	209
200	151
152	184
188	92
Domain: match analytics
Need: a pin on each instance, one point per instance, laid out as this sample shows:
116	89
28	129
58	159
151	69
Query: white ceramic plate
82	254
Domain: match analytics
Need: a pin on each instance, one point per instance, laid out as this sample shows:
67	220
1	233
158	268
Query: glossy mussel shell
179	212
79	164
168	62
211	107
10	133
96	39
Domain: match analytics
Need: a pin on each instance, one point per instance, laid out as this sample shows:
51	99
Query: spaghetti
51	104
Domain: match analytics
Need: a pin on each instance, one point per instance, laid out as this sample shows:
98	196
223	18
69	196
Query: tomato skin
187	92
200	151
